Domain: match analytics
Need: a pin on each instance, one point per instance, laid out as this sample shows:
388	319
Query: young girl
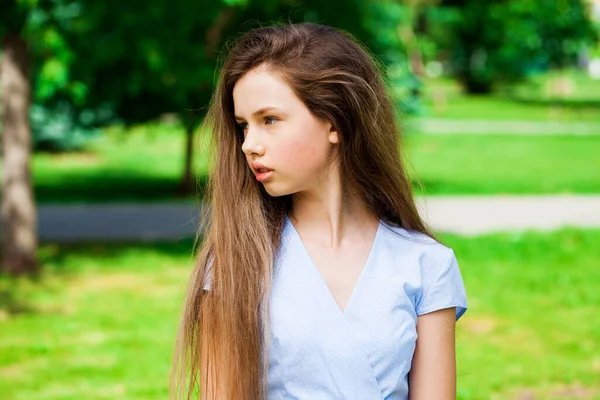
316	278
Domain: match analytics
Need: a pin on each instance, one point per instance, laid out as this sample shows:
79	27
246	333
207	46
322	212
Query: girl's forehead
261	88
260	81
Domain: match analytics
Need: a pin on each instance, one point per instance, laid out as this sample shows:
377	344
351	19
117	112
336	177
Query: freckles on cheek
299	154
289	155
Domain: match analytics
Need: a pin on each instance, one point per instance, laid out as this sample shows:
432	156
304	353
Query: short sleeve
443	287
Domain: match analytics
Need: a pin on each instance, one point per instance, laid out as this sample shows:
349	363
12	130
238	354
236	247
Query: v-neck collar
313	267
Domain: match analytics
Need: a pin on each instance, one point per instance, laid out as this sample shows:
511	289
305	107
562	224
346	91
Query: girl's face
281	134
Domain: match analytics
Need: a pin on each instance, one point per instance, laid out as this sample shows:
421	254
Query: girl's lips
264	176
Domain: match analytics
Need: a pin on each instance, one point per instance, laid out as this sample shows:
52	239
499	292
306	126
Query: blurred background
103	172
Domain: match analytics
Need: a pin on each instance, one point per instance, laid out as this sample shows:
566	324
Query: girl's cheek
292	152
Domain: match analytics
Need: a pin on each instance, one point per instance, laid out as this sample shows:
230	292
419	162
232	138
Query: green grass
533	100
500	164
499	107
142	164
574	86
101	321
129	167
534	325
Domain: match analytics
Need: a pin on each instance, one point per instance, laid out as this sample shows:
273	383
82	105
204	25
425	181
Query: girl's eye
270	120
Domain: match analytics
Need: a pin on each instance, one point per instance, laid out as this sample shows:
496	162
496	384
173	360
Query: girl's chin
275	190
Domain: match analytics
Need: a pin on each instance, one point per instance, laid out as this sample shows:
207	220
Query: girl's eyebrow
258	112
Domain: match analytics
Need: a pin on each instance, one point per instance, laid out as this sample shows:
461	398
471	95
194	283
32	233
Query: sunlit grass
533	326
101	322
144	163
128	169
505	164
569	96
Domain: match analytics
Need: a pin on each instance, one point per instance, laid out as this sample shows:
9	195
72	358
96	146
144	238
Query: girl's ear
333	135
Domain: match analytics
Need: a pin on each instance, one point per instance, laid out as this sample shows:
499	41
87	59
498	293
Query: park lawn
142	164
501	107
99	324
146	163
101	321
530	100
504	164
533	330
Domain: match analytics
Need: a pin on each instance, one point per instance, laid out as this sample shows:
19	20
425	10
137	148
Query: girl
316	278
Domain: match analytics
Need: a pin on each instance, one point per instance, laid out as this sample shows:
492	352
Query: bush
60	128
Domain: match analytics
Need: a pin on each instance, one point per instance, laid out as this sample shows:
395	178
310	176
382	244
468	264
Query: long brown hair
223	337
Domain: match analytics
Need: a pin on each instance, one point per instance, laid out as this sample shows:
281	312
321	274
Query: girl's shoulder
416	241
429	266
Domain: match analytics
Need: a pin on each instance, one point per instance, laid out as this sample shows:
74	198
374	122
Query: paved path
466	215
475	127
480	214
118	222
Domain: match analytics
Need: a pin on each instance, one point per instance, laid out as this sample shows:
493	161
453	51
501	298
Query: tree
91	60
492	42
161	58
19	219
34	66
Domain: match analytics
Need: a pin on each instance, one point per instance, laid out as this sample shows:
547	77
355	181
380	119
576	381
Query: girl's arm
433	372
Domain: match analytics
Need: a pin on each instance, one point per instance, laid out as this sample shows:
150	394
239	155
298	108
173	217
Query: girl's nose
252	143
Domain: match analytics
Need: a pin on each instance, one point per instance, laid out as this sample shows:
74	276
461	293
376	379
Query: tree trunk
19	216
215	32
186	186
214	36
407	32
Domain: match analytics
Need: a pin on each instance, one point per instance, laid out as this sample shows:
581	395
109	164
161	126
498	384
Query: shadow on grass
571	104
112	186
62	263
426	187
10	302
56	253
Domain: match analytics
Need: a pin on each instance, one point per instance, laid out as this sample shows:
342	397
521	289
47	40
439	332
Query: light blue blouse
365	352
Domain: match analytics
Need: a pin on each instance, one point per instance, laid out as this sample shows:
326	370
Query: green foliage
14	14
59	119
504	41
64	128
141	62
384	17
163	57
